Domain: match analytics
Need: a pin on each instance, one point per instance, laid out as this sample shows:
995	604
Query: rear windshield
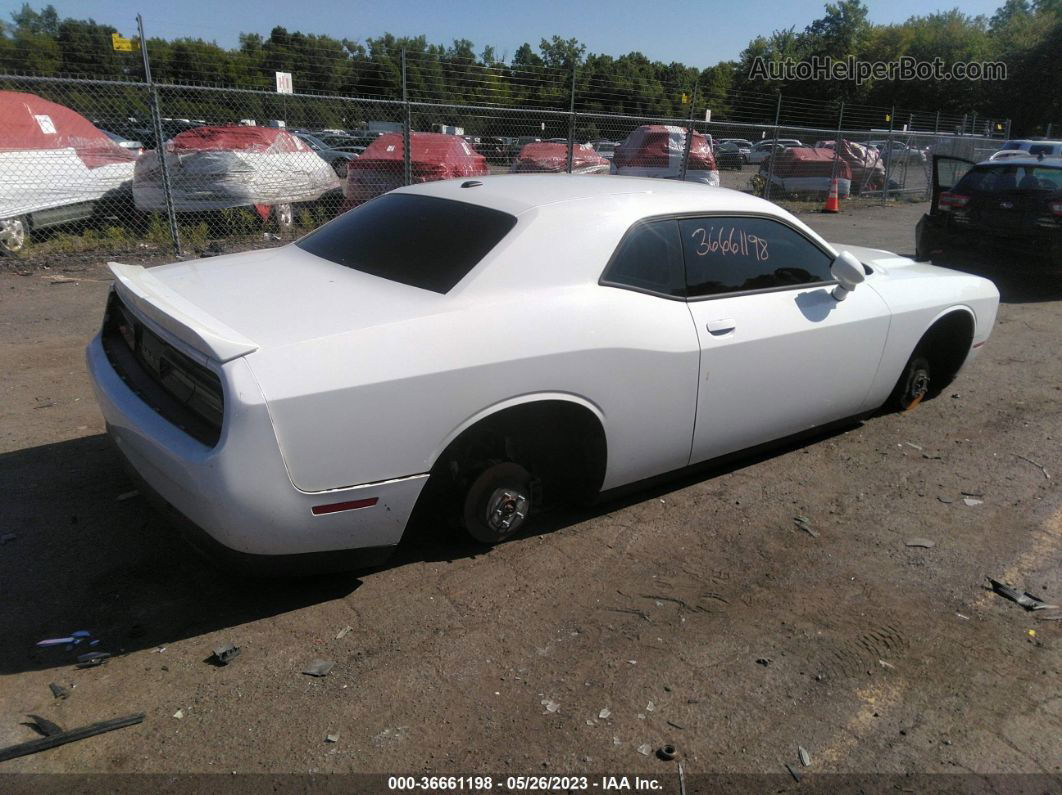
421	241
995	178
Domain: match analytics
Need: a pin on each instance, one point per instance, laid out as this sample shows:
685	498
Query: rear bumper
933	234
237	495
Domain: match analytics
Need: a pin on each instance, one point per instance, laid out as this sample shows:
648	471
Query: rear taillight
1056	207
951	201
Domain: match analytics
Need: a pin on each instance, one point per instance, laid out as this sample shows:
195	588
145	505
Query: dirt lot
697	613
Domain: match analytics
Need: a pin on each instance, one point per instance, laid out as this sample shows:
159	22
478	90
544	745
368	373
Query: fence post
689	136
1046	136
407	129
973	124
936	124
888	159
770	157
571	121
837	148
160	148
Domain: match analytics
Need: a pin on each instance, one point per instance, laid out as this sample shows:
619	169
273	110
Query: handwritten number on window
730	241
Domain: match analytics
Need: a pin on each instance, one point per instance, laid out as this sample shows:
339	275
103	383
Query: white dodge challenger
489	346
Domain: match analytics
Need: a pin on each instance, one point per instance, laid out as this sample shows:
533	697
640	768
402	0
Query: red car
433	156
547	156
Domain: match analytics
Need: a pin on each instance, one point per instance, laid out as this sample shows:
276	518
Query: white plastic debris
179	714
604	714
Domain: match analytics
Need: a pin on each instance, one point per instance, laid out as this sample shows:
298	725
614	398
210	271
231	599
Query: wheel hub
285	215
12	234
920	384
506	510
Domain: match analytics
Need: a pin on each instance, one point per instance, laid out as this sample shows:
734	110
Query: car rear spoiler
184	320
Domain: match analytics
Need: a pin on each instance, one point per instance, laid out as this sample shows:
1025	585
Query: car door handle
722	326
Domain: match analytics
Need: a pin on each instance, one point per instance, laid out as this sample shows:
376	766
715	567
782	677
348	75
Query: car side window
649	258
738	254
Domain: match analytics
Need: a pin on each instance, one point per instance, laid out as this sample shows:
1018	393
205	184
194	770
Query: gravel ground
696	613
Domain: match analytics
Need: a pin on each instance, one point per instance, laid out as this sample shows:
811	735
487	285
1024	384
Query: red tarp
553	157
807	162
656	146
28	122
865	161
236	138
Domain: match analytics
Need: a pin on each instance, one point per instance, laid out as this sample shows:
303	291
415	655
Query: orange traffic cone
832	205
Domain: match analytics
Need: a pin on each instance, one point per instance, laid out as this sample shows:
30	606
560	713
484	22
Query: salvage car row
58	168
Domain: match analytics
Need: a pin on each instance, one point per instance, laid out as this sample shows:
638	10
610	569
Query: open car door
947	171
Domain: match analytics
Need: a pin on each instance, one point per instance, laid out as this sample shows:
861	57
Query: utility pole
770	157
160	143
689	136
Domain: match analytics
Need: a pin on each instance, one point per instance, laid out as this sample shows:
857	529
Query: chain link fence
111	166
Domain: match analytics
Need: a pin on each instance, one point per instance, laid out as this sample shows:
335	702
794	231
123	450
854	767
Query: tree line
1026	35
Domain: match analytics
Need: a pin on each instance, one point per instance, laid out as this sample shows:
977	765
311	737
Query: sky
694	33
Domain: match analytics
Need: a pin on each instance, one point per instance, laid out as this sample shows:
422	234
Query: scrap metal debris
793	772
925	543
805	524
645	749
603	714
667	752
64	737
805	757
224	654
550	705
319	668
179	714
127	495
344	631
971	501
70	641
58	691
332	738
1026	600
92	659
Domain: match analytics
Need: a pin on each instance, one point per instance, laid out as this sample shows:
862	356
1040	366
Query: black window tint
649	258
729	255
1041	149
416	240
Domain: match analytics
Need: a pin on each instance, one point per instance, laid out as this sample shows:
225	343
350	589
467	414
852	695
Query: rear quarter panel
385	401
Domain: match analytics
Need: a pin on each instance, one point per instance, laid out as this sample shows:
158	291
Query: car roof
518	193
1024	160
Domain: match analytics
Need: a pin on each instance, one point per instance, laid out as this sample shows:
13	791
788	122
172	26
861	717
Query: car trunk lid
230	306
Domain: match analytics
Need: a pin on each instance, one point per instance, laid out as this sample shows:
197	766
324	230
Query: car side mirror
848	271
